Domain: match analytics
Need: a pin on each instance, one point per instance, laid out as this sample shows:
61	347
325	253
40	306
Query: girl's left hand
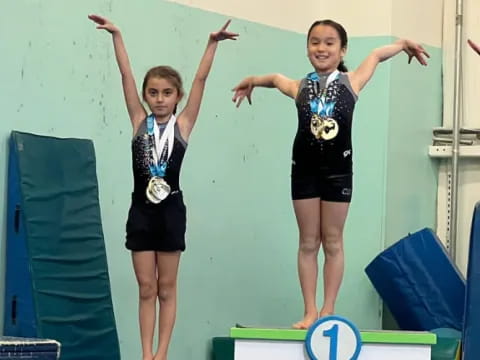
104	23
474	46
416	51
223	34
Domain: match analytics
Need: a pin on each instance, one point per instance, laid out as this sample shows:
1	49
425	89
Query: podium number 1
332	333
333	338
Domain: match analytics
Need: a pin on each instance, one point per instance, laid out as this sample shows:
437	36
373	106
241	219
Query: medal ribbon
318	102
162	147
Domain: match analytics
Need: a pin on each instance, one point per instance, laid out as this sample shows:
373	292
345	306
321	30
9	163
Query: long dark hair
164	72
341	33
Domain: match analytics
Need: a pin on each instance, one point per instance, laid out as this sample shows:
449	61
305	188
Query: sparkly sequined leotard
141	158
315	161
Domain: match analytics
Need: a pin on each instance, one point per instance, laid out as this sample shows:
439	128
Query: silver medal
157	190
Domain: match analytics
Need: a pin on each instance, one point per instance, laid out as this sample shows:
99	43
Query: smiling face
325	48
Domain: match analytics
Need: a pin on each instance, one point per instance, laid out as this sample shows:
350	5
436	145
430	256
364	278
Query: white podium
289	344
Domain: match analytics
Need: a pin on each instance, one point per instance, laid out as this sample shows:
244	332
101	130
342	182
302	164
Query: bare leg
334	215
167	263
144	263
307	212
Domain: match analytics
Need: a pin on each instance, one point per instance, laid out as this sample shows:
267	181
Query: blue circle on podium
333	338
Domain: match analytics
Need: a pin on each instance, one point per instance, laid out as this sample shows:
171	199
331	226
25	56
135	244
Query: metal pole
456	129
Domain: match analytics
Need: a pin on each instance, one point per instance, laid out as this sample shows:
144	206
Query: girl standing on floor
157	217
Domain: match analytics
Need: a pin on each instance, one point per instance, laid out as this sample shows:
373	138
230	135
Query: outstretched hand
103	23
416	51
475	47
242	90
223	34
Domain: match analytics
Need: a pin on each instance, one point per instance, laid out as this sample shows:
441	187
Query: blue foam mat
57	281
471	328
419	283
19	316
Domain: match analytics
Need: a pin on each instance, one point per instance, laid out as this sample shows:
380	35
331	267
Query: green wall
411	176
59	78
411	193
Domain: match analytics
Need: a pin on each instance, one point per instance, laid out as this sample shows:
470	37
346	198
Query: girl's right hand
104	23
242	90
474	46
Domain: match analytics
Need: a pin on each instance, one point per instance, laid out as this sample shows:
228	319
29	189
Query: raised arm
360	77
136	111
287	86
188	117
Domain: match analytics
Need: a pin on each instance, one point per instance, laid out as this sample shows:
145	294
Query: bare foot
158	357
325	312
307	321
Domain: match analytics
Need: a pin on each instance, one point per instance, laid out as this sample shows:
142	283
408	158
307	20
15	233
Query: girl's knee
166	290
310	244
332	244
148	290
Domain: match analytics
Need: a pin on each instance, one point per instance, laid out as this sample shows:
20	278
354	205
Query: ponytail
341	67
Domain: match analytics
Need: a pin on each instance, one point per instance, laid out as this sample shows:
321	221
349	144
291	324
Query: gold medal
157	190
323	128
316	126
329	129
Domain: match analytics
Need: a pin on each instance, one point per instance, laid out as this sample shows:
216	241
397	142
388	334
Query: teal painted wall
411	176
59	78
411	193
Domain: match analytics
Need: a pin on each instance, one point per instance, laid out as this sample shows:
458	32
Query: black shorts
159	227
337	188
